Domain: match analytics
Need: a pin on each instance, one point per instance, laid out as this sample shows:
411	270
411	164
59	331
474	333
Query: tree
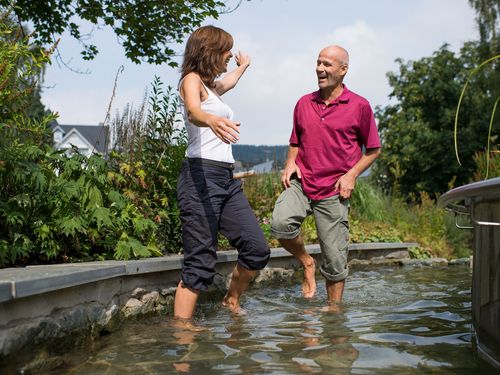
417	131
144	27
488	19
30	84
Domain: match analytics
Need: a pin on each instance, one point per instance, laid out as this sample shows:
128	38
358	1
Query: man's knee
284	227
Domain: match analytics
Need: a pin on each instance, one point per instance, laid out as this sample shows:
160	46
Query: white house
88	139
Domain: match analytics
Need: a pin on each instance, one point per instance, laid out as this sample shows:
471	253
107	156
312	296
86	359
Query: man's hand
290	169
345	185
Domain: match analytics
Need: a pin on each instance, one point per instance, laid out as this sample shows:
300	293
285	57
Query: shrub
149	151
55	207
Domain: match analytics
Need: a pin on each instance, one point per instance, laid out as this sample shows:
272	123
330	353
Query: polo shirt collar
343	98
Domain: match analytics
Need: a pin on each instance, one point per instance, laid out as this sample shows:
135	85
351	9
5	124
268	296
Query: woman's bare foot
234	307
309	283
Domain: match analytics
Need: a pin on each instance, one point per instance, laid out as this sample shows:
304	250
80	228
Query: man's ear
343	69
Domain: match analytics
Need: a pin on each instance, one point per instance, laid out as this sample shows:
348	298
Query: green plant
149	150
146	28
374	217
417	128
56	207
419	253
492	117
487	166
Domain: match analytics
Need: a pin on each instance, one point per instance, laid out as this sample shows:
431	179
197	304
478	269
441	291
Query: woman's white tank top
202	142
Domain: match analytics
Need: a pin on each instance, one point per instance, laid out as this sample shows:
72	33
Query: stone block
132	308
5	290
37	282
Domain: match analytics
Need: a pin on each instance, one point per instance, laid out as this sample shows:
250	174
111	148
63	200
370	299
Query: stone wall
71	304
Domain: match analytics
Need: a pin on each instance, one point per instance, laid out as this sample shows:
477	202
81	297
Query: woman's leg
240	279
185	301
199	212
239	224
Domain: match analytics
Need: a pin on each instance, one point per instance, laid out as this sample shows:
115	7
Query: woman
210	200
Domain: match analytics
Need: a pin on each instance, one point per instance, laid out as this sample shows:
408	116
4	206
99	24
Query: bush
55	207
149	151
374	217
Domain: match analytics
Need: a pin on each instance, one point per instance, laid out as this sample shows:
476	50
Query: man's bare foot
182	367
332	307
235	308
309	283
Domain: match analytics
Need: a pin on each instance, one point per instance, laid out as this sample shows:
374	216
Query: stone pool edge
39	304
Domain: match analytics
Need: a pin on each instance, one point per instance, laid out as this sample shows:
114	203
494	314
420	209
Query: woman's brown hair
203	54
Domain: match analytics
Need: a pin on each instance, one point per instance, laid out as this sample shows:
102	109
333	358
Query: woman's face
226	57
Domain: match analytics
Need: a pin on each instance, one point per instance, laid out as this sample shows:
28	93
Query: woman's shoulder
191	78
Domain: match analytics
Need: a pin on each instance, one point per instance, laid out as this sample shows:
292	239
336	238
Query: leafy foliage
373	217
484	164
487	18
56	206
417	131
145	28
31	68
149	151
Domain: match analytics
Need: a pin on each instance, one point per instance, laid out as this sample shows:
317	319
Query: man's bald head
338	53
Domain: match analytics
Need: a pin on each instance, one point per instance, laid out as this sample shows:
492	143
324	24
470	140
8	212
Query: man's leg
290	210
335	290
296	247
331	215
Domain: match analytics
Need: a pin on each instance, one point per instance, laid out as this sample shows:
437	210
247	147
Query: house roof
96	135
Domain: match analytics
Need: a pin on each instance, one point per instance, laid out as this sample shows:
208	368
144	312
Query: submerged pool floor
393	321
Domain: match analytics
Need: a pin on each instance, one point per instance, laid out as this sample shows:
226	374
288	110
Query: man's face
329	69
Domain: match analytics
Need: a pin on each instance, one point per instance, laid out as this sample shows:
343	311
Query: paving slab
30	281
149	265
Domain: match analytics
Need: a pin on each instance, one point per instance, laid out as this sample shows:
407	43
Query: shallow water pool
393	321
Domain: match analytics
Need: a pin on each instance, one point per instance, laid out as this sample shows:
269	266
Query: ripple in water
393	321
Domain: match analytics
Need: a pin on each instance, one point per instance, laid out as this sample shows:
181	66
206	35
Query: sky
283	39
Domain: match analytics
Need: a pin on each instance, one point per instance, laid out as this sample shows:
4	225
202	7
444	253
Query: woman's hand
242	59
226	130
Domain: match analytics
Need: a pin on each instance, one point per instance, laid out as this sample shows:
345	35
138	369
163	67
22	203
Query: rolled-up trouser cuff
195	282
254	266
285	235
334	278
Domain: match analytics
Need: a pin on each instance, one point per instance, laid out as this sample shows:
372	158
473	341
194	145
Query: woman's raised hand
242	59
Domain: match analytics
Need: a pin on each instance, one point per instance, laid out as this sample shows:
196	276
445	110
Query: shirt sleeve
368	128
295	136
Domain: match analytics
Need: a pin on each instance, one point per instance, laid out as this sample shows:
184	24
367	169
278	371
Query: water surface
393	321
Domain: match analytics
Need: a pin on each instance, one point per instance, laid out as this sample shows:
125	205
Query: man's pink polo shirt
330	139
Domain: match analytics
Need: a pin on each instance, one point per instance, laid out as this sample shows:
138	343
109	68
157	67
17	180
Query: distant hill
250	155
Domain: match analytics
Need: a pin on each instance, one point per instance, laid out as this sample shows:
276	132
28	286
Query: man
330	129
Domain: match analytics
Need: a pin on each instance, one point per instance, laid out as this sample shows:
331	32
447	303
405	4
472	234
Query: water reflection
393	321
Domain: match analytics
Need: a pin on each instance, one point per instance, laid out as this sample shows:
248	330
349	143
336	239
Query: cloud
283	39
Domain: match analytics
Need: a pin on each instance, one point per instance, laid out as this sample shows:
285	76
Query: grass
373	217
